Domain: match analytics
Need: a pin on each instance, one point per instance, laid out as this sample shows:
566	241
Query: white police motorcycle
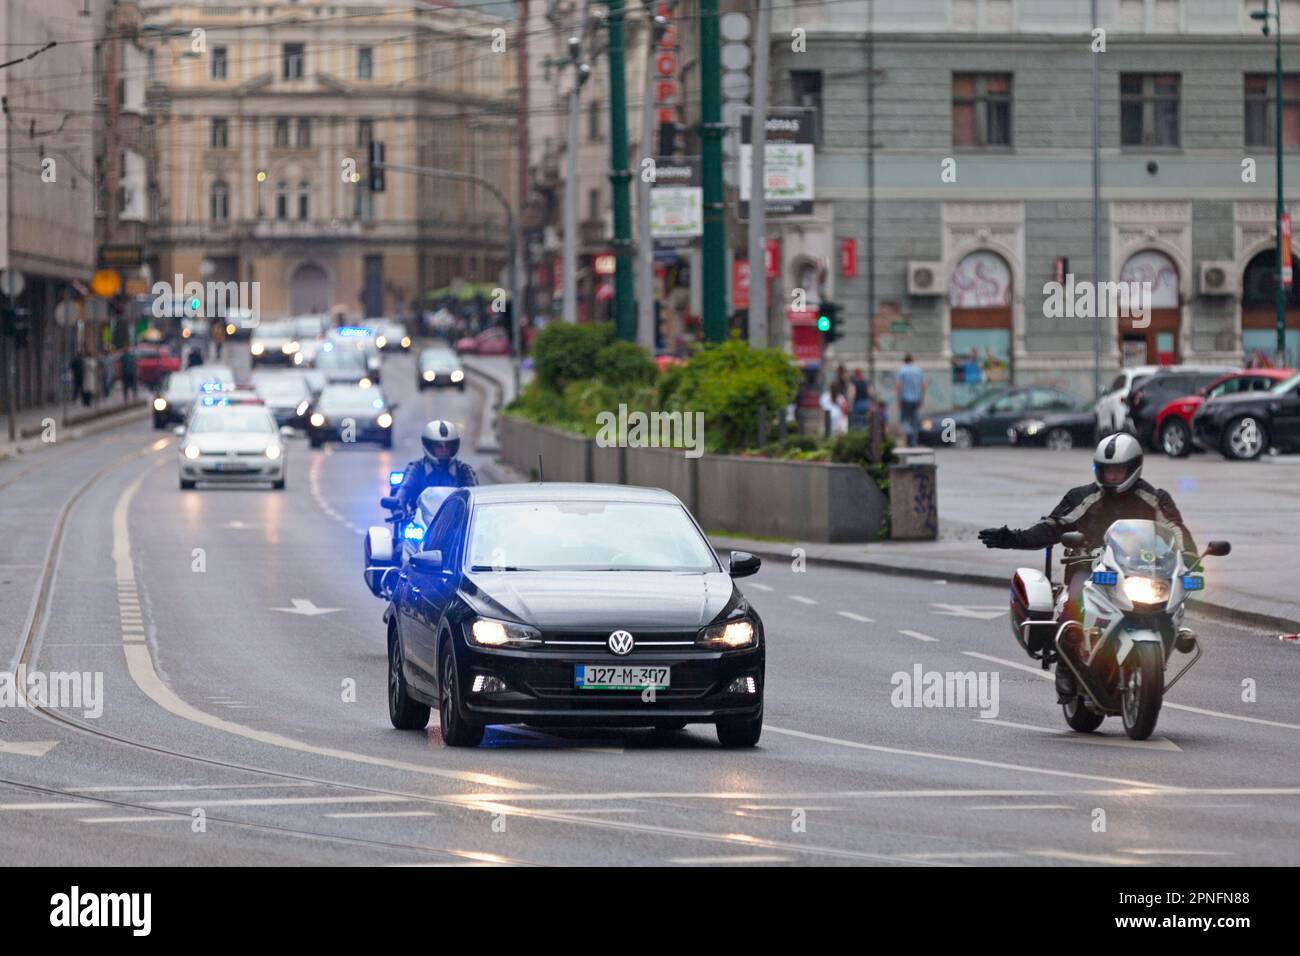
1133	602
386	549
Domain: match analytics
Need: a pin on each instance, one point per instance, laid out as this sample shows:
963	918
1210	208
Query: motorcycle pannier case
1032	611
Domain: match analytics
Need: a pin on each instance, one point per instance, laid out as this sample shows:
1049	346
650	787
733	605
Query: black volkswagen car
568	604
351	413
1246	424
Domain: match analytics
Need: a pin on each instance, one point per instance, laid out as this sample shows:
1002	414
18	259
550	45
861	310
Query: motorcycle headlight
301	409
728	635
192	452
1146	590
384	421
160	404
273	452
318	419
489	633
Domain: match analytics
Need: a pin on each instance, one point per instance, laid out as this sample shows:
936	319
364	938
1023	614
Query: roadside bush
564	352
625	364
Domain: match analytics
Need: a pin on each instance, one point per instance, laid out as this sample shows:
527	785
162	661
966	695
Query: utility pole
520	305
645	300
624	314
871	196
711	130
1283	265
581	71
1096	207
758	334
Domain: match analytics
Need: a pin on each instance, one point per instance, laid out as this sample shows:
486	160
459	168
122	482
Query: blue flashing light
1104	577
378	403
1193	582
413	532
327	347
395	478
212	387
214	402
353	331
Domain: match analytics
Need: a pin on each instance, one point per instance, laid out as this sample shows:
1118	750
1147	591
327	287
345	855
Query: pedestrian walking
861	400
89	380
836	405
910	387
128	374
107	361
78	368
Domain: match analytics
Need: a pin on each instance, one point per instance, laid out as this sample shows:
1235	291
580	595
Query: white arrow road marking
855	617
27	748
980	612
1095	858
918	635
1154	743
305	607
724	860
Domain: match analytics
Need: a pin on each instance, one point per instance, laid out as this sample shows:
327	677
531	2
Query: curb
80	428
491	390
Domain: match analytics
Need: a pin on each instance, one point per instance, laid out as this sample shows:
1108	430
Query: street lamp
1283	241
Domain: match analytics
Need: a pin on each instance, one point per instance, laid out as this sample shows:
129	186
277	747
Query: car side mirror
429	562
743	564
1219	549
1073	539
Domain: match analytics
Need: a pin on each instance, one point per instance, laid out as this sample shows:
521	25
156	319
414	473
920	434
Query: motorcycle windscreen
1143	548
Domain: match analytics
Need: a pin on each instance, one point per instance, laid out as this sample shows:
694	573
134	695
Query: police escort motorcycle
1129	622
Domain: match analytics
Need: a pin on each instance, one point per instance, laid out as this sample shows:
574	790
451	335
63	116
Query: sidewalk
1254	505
31	422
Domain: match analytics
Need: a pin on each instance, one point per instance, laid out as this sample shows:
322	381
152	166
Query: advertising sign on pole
787	162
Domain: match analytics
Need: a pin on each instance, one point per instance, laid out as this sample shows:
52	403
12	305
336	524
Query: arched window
282	200
219	201
979	299
1149	331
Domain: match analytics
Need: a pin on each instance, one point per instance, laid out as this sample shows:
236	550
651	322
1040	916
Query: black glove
997	537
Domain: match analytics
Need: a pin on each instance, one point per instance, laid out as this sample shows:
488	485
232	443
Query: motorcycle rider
438	468
1119	492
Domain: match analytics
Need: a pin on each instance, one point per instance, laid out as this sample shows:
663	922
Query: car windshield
437	359
351	398
587	536
341	360
243	420
1281	388
1143	547
274	330
985	399
287	387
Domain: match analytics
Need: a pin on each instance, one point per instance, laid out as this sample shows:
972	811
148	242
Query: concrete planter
763	497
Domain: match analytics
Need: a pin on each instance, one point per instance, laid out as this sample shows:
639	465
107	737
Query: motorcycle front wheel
1144	687
1079	717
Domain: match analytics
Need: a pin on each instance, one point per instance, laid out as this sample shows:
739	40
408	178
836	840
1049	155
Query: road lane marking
139	664
27	748
138	818
185	787
1098	859
963	855
724	860
379	814
918	635
979	612
752	584
1024	806
1047	675
861	619
1155	743
801	599
305	607
1180	852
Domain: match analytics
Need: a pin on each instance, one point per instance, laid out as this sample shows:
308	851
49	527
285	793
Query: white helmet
1118	451
441	441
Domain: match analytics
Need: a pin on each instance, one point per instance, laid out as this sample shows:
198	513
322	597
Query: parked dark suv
1145	400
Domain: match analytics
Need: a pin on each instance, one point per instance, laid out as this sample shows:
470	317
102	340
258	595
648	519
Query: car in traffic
154	362
1112	405
351	413
1059	431
174	400
287	395
1149	397
1174	422
227	443
1244	425
342	366
492	341
274	343
391	336
439	367
569	604
988	420
353	338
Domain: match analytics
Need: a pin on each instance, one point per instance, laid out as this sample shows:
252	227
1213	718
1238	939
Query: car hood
599	599
215	442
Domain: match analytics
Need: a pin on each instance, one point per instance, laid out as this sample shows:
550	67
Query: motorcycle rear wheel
1144	688
1079	717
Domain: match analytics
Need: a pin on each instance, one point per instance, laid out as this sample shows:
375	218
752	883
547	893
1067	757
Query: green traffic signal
823	323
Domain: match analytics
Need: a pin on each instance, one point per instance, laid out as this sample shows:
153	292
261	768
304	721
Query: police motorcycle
388	546
1132	600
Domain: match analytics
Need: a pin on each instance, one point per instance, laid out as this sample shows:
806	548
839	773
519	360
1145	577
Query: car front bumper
233	469
540	686
362	433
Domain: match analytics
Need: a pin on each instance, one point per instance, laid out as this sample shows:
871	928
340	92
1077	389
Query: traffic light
376	166
828	315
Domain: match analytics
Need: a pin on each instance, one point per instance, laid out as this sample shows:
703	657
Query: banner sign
787	162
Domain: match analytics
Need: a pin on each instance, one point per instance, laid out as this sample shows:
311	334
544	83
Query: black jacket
1091	510
422	474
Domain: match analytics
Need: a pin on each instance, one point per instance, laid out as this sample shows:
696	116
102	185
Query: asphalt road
241	725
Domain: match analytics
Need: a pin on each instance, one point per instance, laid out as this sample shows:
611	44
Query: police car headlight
318	419
160	404
301	409
273	452
727	636
457	375
365	383
489	633
429	376
257	348
384	421
381	341
192	452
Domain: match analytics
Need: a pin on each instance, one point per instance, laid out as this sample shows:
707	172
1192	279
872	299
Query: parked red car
153	363
493	341
1174	422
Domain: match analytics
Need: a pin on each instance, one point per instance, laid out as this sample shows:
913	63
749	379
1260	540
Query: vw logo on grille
621	642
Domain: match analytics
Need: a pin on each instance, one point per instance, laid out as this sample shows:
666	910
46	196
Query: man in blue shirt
910	389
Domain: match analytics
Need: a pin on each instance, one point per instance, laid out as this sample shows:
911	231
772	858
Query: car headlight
297	358
1033	427
1146	590
257	348
927	424
406	341
160	404
489	633
381	341
230	328
384	421
365	383
273	452
728	635
288	348
318	419
428	376
457	375
192	452
301	409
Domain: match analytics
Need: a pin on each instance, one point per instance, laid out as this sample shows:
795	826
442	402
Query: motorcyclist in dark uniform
1118	493
439	468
